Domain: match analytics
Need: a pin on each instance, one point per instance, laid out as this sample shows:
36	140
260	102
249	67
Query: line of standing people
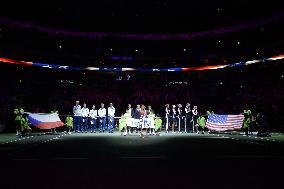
181	118
85	119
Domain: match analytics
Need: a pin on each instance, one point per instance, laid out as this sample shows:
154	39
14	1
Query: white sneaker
69	133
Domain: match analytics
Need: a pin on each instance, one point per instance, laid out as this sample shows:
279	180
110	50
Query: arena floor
176	160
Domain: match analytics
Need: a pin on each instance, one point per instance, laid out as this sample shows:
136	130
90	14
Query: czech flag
45	120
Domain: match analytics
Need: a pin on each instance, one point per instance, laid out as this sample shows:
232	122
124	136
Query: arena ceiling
141	33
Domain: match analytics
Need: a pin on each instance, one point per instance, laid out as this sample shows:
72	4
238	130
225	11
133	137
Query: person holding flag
247	120
25	125
53	130
201	122
69	123
122	124
209	112
158	125
19	111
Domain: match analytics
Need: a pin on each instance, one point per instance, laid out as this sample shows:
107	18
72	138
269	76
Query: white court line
249	156
70	158
23	138
25	159
142	157
218	137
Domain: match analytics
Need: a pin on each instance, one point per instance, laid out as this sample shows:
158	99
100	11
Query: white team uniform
93	113
77	110
102	112
111	111
85	112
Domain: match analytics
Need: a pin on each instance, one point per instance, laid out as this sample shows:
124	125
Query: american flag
219	122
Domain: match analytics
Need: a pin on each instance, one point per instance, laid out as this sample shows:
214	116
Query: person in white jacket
102	117
110	112
77	117
93	119
194	118
85	114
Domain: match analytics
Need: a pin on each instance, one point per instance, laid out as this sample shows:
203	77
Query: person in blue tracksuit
93	119
102	118
77	117
110	112
85	114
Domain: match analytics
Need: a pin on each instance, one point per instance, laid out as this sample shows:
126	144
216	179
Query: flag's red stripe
49	125
224	124
222	129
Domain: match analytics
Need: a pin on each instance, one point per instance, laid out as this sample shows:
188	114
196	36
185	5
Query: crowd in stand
225	94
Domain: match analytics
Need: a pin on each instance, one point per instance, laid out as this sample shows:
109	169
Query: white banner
140	123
